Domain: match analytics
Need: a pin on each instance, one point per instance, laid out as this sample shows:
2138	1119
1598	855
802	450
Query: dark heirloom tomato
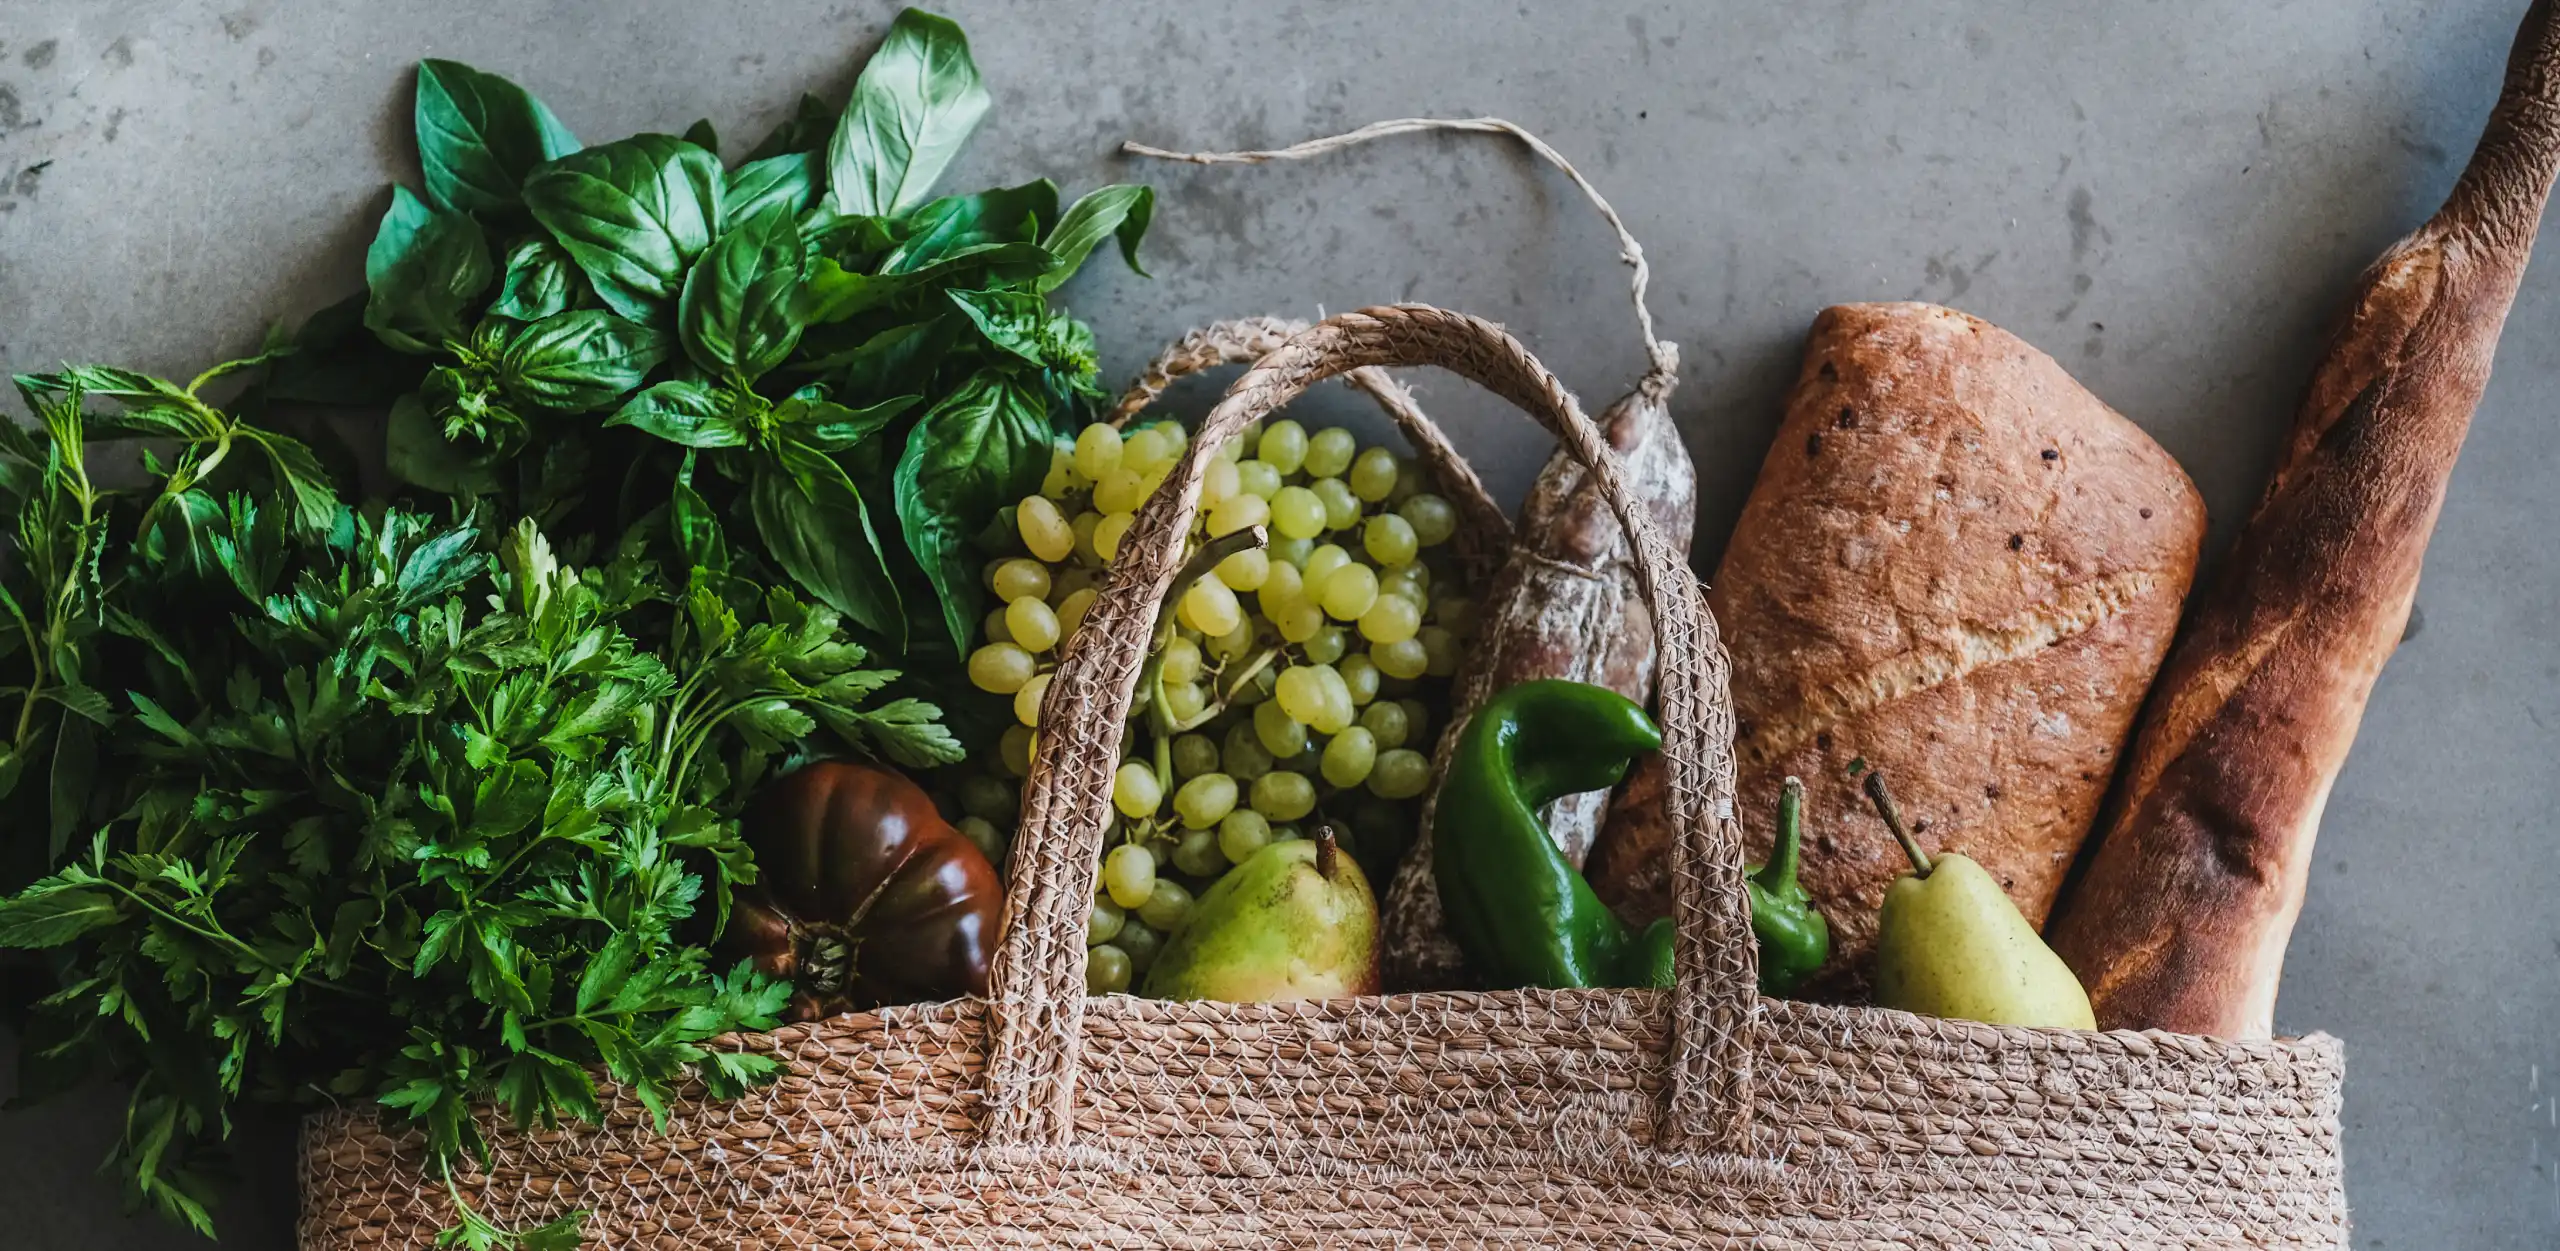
865	896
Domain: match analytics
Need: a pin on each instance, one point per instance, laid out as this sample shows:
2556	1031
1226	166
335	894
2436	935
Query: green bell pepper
1522	915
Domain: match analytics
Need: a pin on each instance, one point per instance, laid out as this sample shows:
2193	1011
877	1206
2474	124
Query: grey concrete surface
2169	197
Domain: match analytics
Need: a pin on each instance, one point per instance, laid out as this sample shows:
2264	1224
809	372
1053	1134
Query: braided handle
1037	1007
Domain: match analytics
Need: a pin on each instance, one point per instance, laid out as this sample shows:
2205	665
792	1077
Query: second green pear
1950	943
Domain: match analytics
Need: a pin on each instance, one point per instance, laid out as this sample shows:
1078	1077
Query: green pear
1294	921
1950	943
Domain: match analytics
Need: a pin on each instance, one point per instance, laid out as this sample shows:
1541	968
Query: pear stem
1326	850
1883	800
1780	872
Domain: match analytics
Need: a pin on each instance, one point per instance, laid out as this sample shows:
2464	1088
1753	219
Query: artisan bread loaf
1962	567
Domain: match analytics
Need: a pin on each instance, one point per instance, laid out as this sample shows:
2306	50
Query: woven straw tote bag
1701	1116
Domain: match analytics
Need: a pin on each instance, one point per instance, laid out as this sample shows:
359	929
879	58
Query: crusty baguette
1564	605
2181	919
1960	565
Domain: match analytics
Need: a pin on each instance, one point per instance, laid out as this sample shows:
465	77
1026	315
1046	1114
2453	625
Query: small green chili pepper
1519	911
1794	939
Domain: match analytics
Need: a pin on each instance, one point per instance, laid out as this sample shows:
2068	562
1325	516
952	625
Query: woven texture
1702	1116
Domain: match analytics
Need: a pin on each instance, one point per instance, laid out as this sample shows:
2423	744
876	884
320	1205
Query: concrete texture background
2168	197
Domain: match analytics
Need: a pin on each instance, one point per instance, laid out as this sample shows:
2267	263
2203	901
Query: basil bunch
868	373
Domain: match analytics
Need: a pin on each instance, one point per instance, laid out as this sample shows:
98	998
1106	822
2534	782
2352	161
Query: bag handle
1036	1009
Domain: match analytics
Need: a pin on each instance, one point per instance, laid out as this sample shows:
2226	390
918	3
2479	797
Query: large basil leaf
826	426
337	361
806	130
915	104
479	135
696	528
423	270
740	314
541	280
1121	210
1010	320
581	361
702	134
685	413
956	224
789	181
835	293
890	362
813	524
985	445
633	214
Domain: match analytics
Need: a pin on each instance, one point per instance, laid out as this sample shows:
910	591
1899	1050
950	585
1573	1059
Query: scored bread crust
1962	567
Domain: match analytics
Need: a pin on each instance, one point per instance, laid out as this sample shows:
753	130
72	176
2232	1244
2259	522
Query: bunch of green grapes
1295	681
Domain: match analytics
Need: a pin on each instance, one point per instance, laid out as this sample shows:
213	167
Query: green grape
1103	923
984	834
1408	482
1417	717
1359	678
1205	800
1329	452
1097	451
1440	651
1373	476
1231	451
1119	491
1301	693
1385	721
1168	905
1107	535
1399	774
1143	945
1180	660
1321	563
1033	624
1193	755
1338	711
1282	735
1001	576
1243	833
1297	513
1106	970
1283	796
1001	668
1412	578
1198	853
1045	532
1242	756
1026	702
1135	791
1146	450
1403	659
1174	436
1389	539
1291	552
1349	592
1348	758
1217	481
1456	614
1326	647
993	626
1392	619
1341	507
1245	570
1280	587
1284	446
1257	478
990	798
1434	520
1184	701
1237	512
1129	872
1060	480
1210	607
1281	833
1298	620
1014	749
1233	644
1072	609
1085	524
